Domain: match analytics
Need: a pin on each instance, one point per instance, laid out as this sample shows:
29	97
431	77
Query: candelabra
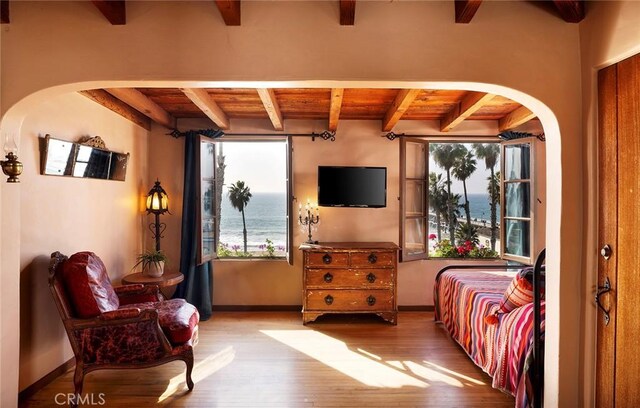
309	220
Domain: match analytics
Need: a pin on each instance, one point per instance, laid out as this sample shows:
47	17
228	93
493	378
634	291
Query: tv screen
352	186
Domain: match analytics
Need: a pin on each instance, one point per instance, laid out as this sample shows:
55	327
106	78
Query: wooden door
618	360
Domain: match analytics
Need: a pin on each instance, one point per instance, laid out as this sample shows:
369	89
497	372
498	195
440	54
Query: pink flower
432	236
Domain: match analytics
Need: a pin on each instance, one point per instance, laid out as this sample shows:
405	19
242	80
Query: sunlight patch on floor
335	354
432	375
446	370
201	370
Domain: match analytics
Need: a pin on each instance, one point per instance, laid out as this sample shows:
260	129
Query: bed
500	338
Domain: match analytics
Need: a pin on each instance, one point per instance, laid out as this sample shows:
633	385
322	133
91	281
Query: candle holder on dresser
308	220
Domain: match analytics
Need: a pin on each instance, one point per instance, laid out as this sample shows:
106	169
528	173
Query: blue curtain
198	279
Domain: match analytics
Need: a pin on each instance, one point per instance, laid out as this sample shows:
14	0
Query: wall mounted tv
352	186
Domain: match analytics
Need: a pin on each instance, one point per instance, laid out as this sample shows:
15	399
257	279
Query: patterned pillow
519	293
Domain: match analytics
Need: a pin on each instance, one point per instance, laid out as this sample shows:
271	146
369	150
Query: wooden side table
167	280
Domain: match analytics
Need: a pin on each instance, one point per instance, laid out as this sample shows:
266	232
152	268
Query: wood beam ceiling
465	108
270	103
203	100
144	105
347	12
114	104
465	10
571	11
336	106
113	10
230	11
515	119
399	106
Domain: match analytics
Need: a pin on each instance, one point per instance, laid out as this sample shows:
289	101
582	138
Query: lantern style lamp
157	203
11	167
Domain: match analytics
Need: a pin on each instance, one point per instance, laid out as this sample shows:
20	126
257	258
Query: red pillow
88	285
519	293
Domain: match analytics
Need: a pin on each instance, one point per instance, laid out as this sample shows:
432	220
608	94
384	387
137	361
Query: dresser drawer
349	300
327	259
372	259
349	278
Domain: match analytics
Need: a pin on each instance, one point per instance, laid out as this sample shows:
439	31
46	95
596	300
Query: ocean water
266	218
480	207
265	215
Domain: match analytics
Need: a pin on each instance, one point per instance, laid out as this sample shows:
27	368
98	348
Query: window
517	183
450	199
246	199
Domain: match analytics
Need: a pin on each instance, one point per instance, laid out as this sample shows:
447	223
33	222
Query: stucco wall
516	49
609	34
68	214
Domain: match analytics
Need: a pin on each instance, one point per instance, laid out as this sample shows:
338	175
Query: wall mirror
64	158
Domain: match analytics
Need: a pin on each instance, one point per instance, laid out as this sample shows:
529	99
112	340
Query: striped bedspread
502	350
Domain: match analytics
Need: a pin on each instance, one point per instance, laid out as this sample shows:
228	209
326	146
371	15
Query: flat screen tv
352	186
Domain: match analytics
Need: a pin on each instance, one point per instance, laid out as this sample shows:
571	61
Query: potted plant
152	263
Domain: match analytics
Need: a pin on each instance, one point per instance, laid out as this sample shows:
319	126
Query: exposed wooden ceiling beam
230	11
571	11
110	102
270	103
334	110
146	106
465	108
466	9
515	119
347	12
399	106
203	100
4	12
113	10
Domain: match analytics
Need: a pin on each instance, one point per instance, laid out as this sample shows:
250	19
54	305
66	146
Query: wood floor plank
269	359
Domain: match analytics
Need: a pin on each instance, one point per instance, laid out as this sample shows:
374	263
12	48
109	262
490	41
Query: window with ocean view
450	199
248	199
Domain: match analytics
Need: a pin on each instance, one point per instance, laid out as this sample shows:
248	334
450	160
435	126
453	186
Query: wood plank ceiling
450	107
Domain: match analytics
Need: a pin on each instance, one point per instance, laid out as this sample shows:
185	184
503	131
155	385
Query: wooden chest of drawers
350	277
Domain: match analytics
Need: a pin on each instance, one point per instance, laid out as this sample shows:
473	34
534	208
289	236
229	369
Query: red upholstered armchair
130	326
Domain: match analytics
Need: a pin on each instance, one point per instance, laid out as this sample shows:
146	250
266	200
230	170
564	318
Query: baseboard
297	308
416	308
257	308
46	380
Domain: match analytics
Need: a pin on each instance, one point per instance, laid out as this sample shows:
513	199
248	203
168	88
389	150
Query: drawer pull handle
328	277
326	259
329	299
371	300
373	258
371	277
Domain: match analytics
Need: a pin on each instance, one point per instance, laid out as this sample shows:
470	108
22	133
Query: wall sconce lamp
11	167
157	203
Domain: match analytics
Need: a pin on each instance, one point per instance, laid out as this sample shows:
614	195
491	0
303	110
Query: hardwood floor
269	359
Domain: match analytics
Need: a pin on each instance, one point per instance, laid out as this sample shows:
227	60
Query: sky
476	184
261	165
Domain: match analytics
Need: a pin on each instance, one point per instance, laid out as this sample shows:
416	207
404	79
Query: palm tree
490	152
445	155
239	195
466	232
437	199
463	168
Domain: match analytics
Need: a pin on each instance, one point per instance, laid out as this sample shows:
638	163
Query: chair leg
78	379
189	361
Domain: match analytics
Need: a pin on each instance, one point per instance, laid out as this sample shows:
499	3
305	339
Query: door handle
606	288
